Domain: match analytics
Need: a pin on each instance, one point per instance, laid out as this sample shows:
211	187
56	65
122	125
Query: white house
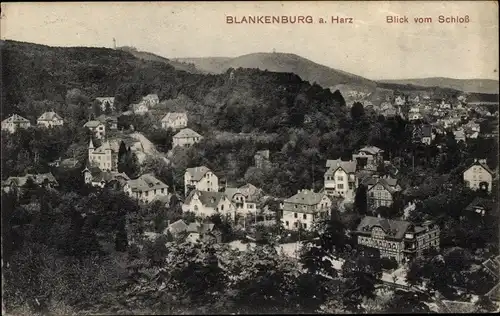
186	138
98	178
478	175
246	198
174	120
105	157
200	178
150	100
13	122
304	208
204	203
140	108
340	178
368	157
147	187
98	128
49	119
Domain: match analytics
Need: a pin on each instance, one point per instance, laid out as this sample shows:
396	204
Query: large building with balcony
397	239
340	178
304	208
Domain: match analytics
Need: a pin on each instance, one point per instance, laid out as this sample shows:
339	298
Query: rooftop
186	132
15	118
306	197
208	199
394	228
347	166
172	116
49	116
146	182
197	172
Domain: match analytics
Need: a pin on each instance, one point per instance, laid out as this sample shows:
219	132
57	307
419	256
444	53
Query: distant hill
282	62
466	85
189	67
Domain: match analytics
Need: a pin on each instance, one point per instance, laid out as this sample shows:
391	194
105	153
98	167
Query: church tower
91	148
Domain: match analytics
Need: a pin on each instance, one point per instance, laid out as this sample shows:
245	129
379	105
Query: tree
360	200
132	167
357	111
121	242
122	157
407	302
107	108
338	98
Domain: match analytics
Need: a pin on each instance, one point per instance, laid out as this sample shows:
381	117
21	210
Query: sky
369	47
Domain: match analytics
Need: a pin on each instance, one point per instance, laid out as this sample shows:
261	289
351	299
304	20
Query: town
267	182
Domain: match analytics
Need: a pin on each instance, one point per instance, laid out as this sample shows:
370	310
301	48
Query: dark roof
197	172
208	199
347	166
485	166
394	228
306	197
177	227
480	202
426	131
200	228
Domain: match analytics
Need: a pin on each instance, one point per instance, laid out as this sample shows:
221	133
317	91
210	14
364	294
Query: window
304	216
196	208
295	215
296	224
340	186
146	193
155	192
162	190
287	223
340	178
222	207
305	226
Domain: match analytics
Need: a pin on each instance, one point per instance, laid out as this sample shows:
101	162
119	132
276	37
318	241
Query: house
459	135
110	121
261	159
106	103
492	267
478	175
13	122
50	119
140	108
246	198
400	100
444	105
46	180
176	228
203	232
381	190
147	187
200	178
174	120
427	136
150	100
340	178
369	157
98	128
105	157
397	239
304	208
186	138
205	203
98	178
480	206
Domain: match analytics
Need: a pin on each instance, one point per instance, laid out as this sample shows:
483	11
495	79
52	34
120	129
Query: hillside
282	62
189	67
466	85
36	78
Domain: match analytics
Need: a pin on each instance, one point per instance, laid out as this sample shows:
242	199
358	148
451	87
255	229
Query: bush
388	263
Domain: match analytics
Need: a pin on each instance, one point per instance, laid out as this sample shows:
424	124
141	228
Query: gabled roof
479	163
92	124
373	150
197	172
306	197
186	132
200	228
347	166
102	99
208	199
394	228
106	176
177	227
146	182
480	202
15	118
103	118
106	146
172	116
249	191
49	116
69	163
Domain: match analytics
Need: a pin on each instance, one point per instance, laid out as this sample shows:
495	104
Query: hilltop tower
114	43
